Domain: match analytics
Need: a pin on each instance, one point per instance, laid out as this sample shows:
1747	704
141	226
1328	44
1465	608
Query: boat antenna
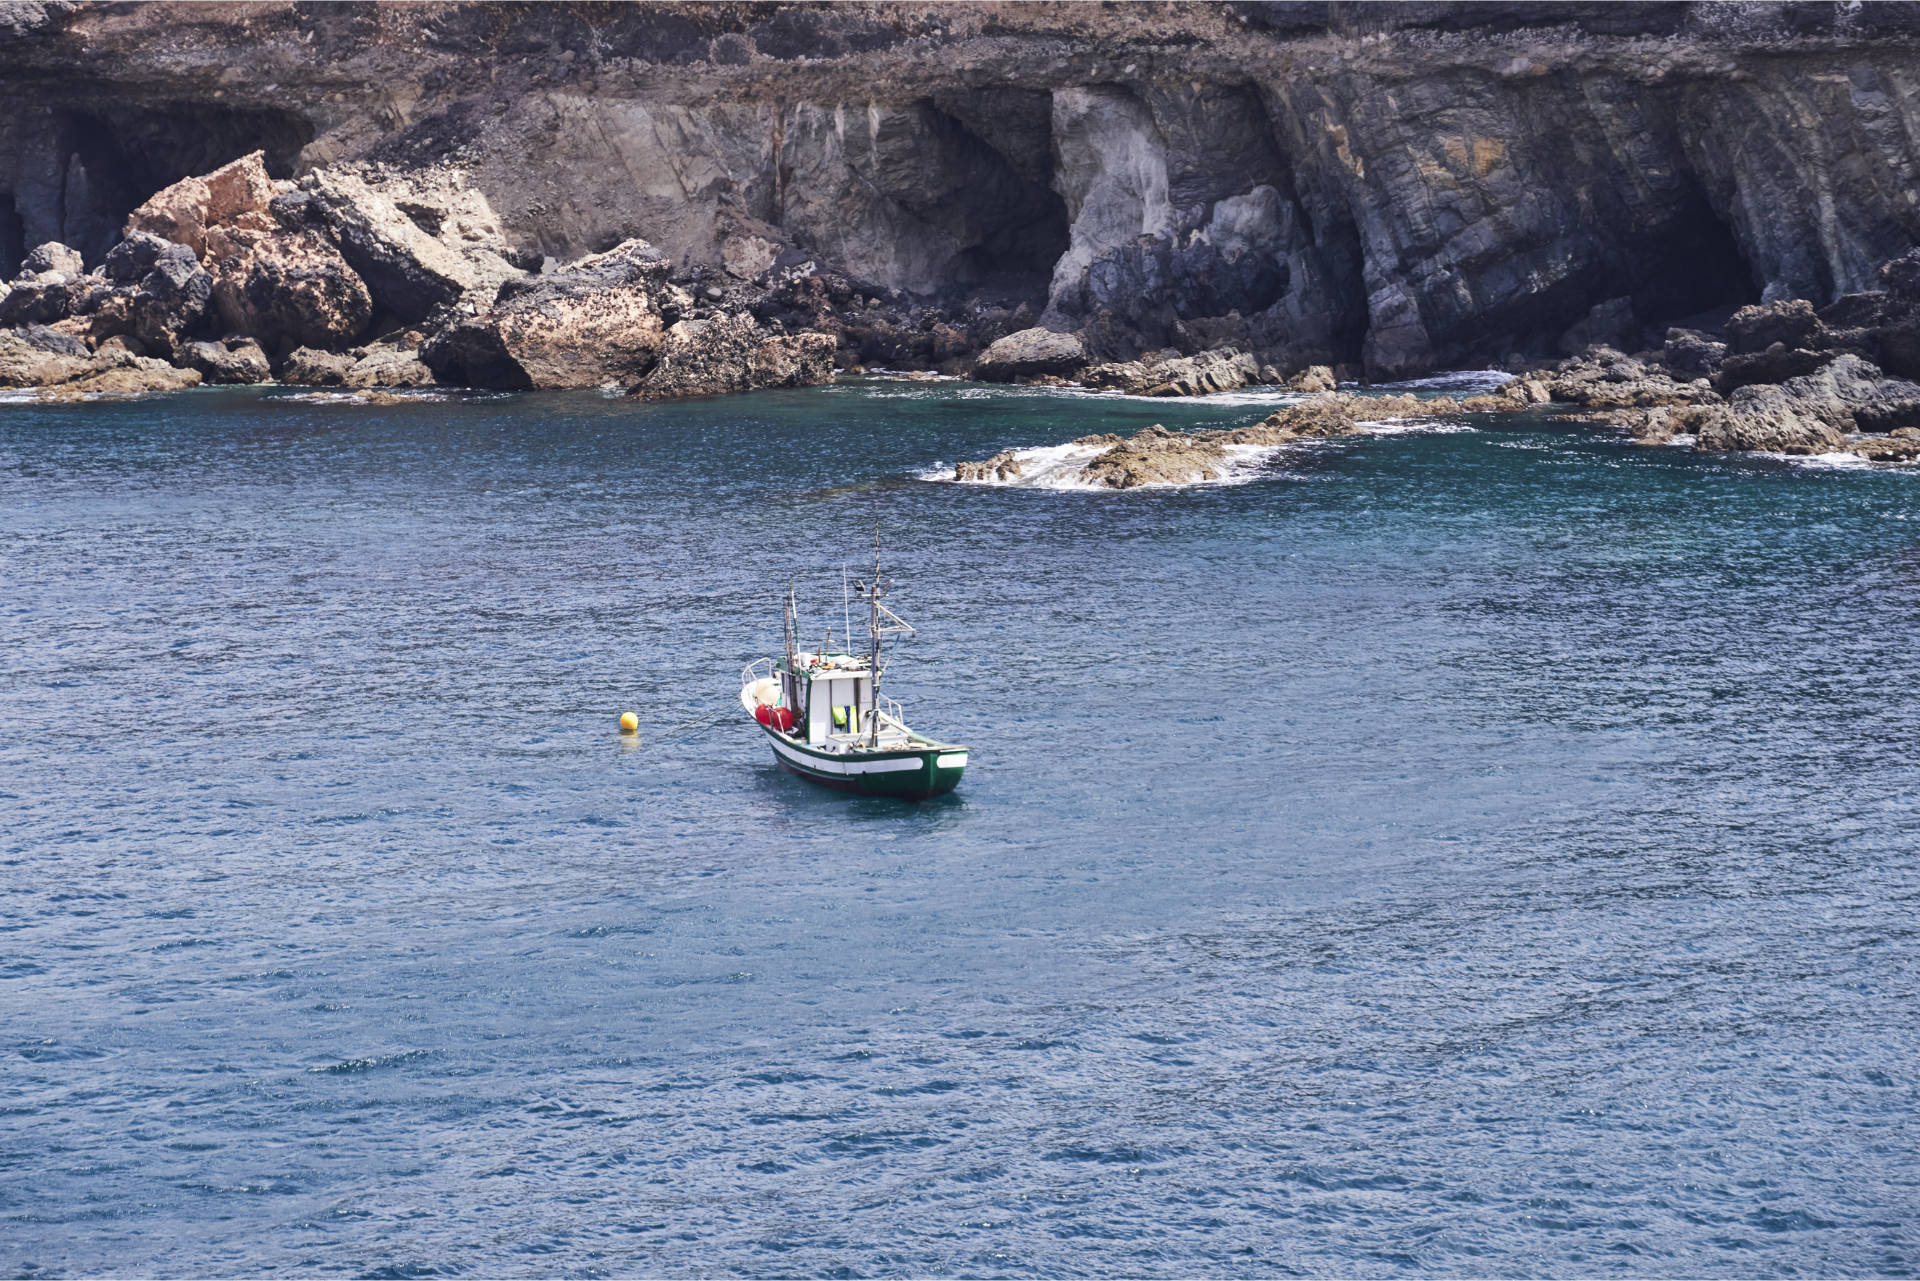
846	607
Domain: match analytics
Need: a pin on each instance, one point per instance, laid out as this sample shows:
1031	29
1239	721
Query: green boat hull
913	774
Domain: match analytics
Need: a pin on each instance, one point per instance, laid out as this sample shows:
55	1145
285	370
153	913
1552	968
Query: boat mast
881	621
873	632
787	612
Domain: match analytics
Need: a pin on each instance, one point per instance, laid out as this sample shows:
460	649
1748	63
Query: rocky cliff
1396	186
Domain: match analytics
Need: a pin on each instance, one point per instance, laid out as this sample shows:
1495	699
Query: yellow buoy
629	723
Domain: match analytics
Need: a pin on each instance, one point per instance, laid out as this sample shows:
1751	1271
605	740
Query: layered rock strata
1394	187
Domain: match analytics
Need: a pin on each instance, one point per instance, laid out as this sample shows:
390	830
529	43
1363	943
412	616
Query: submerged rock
1157	456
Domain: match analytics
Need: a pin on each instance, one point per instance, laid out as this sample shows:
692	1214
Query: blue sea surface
1477	851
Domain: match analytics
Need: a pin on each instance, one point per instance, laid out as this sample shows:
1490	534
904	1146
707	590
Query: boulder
1774	365
1901	278
177	213
1689	353
241	187
1314	378
231	363
1813	414
732	353
591	323
1514	394
1790	322
52	257
1899	446
286	289
172	301
1861	310
124	374
387	365
1603	378
407	269
1610	323
1031	352
307	367
35	300
34	358
131	259
1170	374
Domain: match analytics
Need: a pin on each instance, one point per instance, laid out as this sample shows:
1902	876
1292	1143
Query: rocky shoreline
1777	378
362	277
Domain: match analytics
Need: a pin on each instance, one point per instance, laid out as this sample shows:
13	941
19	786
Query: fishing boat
827	720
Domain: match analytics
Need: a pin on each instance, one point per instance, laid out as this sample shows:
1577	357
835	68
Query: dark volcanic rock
1789	324
172	300
1691	354
55	257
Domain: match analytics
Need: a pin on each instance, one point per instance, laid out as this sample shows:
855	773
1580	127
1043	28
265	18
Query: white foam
1412	427
1454	380
1057	466
1836	459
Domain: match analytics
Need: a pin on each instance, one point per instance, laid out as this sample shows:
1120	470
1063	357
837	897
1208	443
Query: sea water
1484	849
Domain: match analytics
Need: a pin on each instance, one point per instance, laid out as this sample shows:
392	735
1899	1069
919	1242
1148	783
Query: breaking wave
1058	467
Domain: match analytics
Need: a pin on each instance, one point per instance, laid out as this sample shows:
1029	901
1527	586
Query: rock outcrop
1157	456
596	321
733	353
1394	188
408	270
1813	414
1169	373
1031	353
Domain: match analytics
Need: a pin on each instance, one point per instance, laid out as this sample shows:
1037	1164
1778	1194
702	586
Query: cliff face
1411	185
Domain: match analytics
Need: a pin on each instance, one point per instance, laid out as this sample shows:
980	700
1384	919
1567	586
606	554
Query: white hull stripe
823	765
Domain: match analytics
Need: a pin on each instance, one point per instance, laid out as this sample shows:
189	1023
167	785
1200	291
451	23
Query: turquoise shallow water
1482	852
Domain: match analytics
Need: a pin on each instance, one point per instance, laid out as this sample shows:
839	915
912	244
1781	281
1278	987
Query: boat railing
752	671
890	713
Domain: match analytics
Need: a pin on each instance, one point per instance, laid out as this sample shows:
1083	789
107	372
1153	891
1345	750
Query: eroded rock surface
732	354
1031	353
596	321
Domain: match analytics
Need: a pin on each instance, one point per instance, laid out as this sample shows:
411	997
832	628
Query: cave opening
1015	258
1000	196
13	235
116	160
1695	269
